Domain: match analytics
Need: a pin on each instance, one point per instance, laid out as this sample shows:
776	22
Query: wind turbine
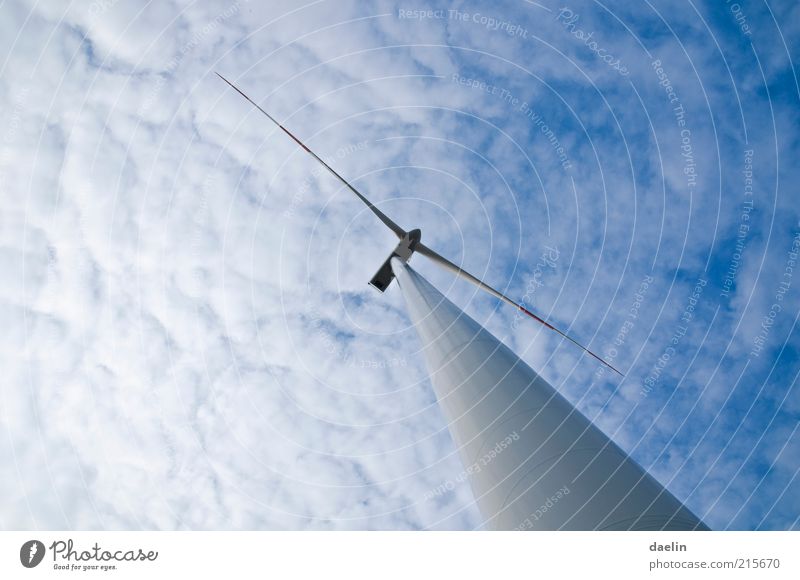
533	460
411	241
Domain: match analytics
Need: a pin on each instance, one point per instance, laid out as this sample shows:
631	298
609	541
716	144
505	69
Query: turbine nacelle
405	248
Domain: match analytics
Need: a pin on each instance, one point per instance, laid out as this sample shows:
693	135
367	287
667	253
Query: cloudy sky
188	338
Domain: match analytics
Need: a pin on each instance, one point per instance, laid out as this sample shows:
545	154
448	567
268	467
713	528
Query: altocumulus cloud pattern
188	338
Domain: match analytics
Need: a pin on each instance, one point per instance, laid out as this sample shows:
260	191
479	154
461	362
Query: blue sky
190	342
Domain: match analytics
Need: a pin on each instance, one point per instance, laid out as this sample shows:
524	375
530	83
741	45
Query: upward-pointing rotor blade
398	231
442	261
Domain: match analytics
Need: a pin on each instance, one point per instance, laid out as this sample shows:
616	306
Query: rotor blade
442	261
398	231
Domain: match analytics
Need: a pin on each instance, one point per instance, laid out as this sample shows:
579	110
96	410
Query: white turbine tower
534	461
